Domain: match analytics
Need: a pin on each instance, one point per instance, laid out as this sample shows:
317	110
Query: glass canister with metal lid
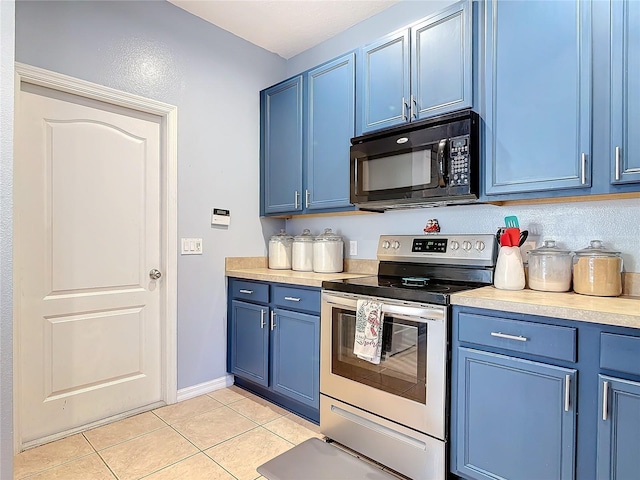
280	251
597	271
550	268
302	252
328	252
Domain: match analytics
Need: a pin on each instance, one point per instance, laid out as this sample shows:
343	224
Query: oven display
429	245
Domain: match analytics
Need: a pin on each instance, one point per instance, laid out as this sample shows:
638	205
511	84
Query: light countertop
255	268
620	311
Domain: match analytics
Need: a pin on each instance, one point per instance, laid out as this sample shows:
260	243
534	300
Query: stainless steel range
396	412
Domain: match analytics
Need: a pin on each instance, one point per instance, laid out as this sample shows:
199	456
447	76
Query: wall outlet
353	248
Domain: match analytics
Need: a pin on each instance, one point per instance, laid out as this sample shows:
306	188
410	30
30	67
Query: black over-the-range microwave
427	163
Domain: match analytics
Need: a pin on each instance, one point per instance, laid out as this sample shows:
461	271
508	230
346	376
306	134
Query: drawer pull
248	292
519	338
605	400
567	382
292	299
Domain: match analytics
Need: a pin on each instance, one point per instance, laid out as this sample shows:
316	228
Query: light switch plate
191	246
353	247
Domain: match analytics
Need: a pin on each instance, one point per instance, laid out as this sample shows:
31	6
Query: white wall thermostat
220	217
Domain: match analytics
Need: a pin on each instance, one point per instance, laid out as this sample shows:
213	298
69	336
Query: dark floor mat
314	459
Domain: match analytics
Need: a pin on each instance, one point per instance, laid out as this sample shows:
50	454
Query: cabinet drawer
549	341
297	298
250	291
620	353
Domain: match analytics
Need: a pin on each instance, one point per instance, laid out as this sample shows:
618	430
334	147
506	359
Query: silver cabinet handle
292	299
155	274
273	320
584	169
262	324
295	200
413	105
404	109
618	163
248	292
567	383
605	400
509	337
306	198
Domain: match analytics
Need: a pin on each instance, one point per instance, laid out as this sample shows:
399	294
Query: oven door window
403	363
405	172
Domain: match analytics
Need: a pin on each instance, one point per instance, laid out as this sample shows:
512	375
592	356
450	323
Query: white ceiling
285	27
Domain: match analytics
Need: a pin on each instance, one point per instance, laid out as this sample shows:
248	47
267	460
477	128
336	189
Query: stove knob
466	245
386	244
480	245
455	245
396	244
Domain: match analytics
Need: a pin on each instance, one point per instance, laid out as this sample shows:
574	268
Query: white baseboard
203	388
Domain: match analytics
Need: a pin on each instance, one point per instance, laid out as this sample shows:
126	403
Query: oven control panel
462	249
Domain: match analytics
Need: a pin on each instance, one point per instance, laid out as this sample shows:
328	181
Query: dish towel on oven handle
367	344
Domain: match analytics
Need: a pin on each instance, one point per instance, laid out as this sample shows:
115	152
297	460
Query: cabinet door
250	342
515	418
625	91
383	83
281	147
331	125
295	356
441	79
538	95
618	429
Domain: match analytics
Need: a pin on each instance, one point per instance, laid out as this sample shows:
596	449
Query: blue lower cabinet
295	361
516	418
272	351
250	342
618	429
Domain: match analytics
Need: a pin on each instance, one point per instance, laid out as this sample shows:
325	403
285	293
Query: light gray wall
7	25
156	50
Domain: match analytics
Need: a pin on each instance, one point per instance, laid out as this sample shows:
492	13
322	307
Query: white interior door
87	234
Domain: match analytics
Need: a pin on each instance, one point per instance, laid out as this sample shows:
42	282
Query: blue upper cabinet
307	124
537	63
330	127
625	91
383	83
441	77
281	146
416	73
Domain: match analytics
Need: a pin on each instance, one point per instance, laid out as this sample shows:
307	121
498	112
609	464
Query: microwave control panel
459	163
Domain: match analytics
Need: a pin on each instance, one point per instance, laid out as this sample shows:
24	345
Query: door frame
168	204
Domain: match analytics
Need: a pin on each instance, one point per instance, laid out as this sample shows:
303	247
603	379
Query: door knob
155	274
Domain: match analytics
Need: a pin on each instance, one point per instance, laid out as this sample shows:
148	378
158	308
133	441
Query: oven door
409	384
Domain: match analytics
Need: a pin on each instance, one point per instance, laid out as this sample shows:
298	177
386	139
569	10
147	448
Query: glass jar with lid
550	268
328	252
597	271
302	252
280	251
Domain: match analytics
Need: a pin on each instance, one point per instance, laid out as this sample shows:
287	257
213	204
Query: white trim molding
206	387
169	146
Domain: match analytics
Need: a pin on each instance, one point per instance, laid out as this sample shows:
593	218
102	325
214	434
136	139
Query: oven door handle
405	312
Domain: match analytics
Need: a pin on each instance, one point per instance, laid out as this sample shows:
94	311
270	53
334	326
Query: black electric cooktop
414	289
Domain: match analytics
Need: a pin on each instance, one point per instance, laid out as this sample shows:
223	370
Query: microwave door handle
442	164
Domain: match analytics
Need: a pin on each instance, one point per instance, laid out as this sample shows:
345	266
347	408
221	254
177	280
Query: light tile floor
224	435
